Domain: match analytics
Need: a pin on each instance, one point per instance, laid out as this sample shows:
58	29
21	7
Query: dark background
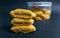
45	29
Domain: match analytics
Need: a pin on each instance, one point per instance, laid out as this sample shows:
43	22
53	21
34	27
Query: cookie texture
22	13
23	29
17	21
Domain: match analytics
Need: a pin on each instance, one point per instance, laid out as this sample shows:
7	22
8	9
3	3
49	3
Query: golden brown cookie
38	13
47	12
17	21
46	16
23	29
22	13
38	18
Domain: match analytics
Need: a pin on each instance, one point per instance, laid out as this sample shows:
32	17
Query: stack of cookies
22	21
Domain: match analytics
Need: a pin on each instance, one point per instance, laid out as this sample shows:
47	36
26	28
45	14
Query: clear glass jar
42	9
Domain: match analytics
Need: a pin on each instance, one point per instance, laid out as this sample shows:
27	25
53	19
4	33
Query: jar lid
39	3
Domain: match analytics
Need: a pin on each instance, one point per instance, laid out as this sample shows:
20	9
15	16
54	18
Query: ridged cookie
17	21
23	29
22	13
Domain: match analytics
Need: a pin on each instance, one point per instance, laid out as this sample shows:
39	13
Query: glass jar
42	9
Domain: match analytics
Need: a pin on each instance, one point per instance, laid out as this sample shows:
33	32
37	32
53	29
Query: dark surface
45	29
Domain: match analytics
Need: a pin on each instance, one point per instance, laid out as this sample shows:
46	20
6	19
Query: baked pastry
17	21
38	18
45	16
41	13
47	12
23	29
22	13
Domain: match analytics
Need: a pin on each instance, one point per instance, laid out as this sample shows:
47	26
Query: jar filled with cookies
41	9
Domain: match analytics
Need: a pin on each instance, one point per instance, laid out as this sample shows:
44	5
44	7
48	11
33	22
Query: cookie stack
22	21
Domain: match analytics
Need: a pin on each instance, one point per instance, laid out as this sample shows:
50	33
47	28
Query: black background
45	29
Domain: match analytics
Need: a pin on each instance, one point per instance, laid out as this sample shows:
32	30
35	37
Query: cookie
38	18
17	21
22	13
47	12
23	29
45	16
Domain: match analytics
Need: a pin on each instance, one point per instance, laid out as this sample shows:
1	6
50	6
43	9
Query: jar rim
39	3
